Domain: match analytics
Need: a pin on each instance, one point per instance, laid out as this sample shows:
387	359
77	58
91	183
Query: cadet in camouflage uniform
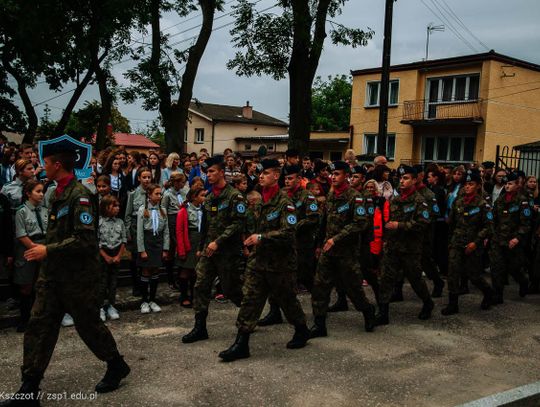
512	224
403	237
470	224
220	247
271	267
307	213
68	280
345	218
428	262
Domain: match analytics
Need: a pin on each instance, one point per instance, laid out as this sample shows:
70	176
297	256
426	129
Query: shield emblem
82	150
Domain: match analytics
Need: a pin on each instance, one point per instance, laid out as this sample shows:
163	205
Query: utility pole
385	78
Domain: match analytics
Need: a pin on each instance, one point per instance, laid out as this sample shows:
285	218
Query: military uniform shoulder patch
241	208
290	208
489	215
86	218
84	201
313	207
311	197
425	214
291	219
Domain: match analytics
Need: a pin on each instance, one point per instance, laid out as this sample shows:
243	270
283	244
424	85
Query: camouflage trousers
81	300
469	265
429	266
226	267
506	261
258	285
330	271
306	266
394	266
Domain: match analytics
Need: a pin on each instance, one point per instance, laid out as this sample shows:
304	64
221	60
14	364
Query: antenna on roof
429	29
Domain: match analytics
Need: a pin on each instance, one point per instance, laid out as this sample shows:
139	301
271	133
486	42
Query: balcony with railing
424	112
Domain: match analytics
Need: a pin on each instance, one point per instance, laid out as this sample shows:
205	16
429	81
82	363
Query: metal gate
526	159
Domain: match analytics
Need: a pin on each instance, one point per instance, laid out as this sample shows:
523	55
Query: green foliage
331	103
155	133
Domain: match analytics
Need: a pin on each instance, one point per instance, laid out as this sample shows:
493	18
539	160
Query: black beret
65	147
269	163
340	165
358	169
473	175
291	169
292	152
511	176
521	174
488	165
406	169
215	160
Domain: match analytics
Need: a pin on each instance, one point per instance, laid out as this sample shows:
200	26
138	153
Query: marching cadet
220	248
268	272
307	214
409	217
67	282
172	200
512	214
428	261
470	224
345	218
135	200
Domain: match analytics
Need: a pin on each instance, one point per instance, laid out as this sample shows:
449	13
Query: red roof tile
133	140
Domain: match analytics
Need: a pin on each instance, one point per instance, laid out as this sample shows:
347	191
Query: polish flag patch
84	201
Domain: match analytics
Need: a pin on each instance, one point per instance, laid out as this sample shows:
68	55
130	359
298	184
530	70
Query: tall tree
290	43
156	78
331	103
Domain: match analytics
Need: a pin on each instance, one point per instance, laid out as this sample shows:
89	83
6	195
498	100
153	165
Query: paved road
442	362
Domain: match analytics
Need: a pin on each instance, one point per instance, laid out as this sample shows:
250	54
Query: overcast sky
509	27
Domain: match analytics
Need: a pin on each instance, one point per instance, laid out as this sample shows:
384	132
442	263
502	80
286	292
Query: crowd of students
152	206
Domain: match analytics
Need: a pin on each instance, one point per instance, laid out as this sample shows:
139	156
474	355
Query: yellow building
449	110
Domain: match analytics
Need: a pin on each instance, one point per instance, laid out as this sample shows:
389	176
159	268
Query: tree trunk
105	111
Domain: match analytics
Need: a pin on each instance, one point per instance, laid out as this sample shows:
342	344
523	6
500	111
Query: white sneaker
154	307
102	314
145	308
112	313
67	320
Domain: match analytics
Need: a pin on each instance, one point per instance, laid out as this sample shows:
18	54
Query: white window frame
368	93
376	136
447	158
198	133
185	134
453	97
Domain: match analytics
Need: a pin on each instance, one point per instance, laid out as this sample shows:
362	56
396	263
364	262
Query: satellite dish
262	151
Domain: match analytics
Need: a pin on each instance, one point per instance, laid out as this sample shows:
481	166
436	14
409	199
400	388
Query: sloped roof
133	140
233	114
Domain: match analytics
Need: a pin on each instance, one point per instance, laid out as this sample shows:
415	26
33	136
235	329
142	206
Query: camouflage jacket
470	222
308	215
276	223
413	215
433	207
511	219
223	221
72	246
345	218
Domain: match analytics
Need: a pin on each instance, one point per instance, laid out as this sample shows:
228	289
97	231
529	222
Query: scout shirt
13	191
111	233
346	216
276	223
413	215
308	216
511	219
469	223
223	221
155	222
172	200
31	221
136	199
72	251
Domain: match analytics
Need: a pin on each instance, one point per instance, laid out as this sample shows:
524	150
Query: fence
526	160
414	110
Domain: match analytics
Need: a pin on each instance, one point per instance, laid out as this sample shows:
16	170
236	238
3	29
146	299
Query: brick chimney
247	111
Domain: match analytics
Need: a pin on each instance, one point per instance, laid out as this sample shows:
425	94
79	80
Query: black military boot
523	287
498	298
425	313
438	285
452	307
273	317
238	350
27	396
382	317
487	301
318	329
369	318
300	337
199	332
341	303
117	369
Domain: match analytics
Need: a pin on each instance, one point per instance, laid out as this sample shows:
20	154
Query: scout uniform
223	222
13	191
511	219
269	273
135	200
403	248
470	221
345	218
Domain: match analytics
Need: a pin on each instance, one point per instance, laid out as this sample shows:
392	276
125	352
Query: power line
462	24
